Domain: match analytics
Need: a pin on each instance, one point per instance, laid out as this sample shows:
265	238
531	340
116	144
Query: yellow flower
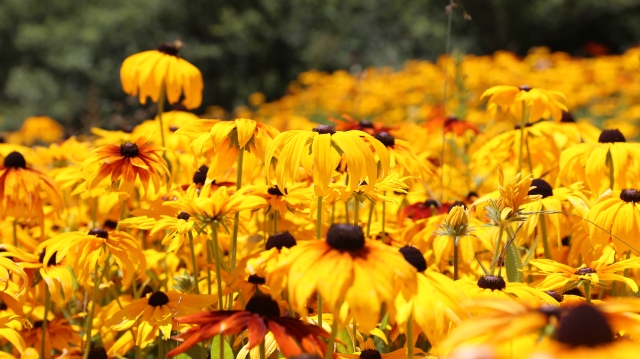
616	212
513	194
457	222
147	73
490	286
539	103
37	129
319	152
598	273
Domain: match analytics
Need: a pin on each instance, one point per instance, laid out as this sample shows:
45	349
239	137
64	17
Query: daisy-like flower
600	272
60	334
55	273
451	124
8	333
37	129
402	158
147	73
156	313
260	316
540	103
492	286
129	162
590	162
348	123
513	194
618	213
351	273
221	141
277	248
292	199
24	191
368	351
435	306
13	279
84	250
320	151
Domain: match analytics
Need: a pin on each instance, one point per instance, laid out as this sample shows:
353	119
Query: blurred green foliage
62	58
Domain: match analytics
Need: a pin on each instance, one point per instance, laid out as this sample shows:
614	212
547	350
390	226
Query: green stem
15	233
346	212
94	295
216	254
356	210
332	338
372	206
262	350
496	249
275	221
355	335
455	257
193	262
161	354
410	337
587	290
209	261
384	214
545	241
236	221
123	208
609	163
47	303
626	274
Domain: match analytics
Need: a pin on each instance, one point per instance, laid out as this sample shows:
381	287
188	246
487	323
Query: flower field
476	207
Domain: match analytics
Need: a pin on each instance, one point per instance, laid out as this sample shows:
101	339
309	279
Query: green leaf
215	349
347	347
183	356
512	263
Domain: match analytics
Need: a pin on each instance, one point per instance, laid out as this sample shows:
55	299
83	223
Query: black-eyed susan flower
539	103
148	73
24	191
221	142
260	316
264	263
156	313
368	351
591	162
13	279
60	334
319	152
494	286
403	159
348	123
616	213
363	274
86	249
9	333
558	276
130	162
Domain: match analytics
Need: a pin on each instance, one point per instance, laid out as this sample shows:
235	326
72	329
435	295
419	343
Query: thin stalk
123	208
587	290
209	261
216	254
410	337
545	241
455	257
346	212
236	218
47	303
372	206
611	173
15	232
355	335
384	214
332	338
522	126
94	295
626	274
356	210
262	350
193	262
275	221
161	348
496	250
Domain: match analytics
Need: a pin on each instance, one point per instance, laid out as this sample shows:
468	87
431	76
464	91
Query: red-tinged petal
287	344
257	330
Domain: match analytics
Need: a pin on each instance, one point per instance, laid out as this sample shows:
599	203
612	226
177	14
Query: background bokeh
61	58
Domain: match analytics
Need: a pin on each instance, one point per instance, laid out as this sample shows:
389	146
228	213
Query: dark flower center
3	306
37	324
584	325
99	232
173	128
386	138
370	354
184	216
169	49
365	124
98	353
179	107
630	195
525	88
492	282
275	191
4	250
431	203
555	295
15	160
565	241
567	117
543	188
324	129
255	279
201	175
129	149
280	240
52	260
158	299
583	271
519	126
306	356
110	224
611	136
264	305
414	257
345	237
457	203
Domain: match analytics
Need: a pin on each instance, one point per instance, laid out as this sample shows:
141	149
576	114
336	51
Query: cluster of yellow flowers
509	231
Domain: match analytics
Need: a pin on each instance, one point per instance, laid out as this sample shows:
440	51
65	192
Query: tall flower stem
332	338
356	210
236	218
47	303
545	240
587	290
609	163
193	262
216	255
15	232
410	337
372	207
262	350
94	295
496	250
456	253
384	214
275	221
318	236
